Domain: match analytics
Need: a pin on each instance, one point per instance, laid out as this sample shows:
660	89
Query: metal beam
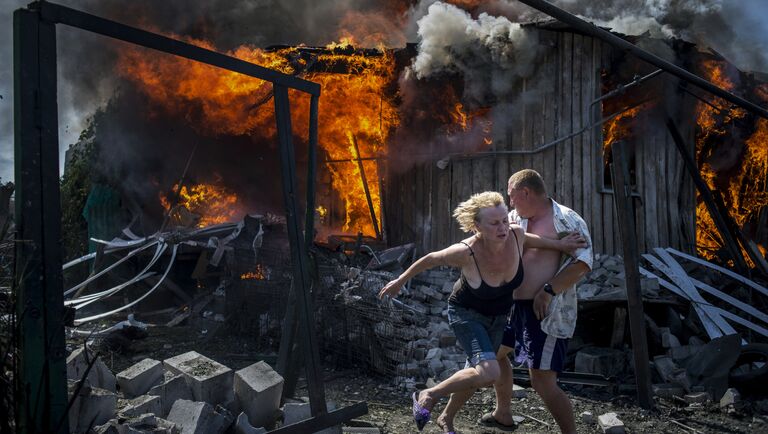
591	29
54	13
625	211
327	420
41	399
301	279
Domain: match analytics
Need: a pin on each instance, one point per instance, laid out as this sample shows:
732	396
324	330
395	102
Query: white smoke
491	53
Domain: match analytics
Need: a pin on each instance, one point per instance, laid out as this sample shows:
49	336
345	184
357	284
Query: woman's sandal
420	414
490	421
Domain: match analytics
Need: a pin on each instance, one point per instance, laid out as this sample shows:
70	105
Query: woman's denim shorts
480	335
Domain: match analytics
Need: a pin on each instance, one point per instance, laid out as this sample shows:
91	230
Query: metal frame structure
42	382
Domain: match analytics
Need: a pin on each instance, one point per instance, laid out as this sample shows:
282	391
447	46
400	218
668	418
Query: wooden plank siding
421	200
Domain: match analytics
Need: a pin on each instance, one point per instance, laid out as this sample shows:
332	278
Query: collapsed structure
561	114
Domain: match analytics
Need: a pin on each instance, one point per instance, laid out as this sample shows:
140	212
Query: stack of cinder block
188	393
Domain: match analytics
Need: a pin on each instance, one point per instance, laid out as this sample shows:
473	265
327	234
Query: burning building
407	133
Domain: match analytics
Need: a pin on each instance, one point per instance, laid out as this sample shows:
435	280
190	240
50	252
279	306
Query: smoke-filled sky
738	29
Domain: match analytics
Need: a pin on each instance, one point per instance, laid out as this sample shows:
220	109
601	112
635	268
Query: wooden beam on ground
714	325
725	271
626	216
679	292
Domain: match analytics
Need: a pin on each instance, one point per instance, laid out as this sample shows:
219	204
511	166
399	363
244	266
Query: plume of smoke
491	53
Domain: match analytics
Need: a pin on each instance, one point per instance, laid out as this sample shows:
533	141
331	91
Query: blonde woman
491	268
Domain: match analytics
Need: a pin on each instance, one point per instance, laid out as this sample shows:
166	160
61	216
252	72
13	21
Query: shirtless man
544	313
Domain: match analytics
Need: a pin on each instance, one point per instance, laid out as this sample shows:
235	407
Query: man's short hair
528	178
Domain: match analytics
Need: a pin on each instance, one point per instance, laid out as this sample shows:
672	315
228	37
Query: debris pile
406	338
702	349
186	393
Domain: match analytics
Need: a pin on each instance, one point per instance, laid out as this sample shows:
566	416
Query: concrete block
603	361
435	366
293	413
419	354
197	418
730	397
668	390
142	405
610	423
169	391
139	378
434	353
209	380
588	418
243	426
142	424
257	392
99	376
665	366
74	410
682	353
96	408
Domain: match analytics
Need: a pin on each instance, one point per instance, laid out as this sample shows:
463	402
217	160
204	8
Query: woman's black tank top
486	299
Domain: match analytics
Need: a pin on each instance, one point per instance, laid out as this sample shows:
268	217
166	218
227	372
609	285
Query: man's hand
541	304
391	289
570	242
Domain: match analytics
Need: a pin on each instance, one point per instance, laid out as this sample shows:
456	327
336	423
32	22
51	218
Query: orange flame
745	192
212	203
222	102
259	273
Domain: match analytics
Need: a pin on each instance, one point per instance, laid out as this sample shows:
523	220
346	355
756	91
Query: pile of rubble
410	337
188	393
694	351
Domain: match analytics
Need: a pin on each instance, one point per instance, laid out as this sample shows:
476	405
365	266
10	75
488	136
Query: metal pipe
365	187
610	38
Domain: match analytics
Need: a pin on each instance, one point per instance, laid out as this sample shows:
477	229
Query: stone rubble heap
185	394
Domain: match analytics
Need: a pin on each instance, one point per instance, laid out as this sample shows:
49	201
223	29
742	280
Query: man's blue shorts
533	348
480	335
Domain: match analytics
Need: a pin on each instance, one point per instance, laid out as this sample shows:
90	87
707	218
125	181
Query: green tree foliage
75	186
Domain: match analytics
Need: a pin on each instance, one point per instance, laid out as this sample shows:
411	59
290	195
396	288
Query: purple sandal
420	414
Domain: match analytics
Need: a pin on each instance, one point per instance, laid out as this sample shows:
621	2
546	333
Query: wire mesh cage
358	329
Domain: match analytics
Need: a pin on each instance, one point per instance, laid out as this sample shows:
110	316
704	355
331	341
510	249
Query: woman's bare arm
453	256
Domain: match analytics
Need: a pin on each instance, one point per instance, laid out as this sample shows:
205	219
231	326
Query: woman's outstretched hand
391	289
571	242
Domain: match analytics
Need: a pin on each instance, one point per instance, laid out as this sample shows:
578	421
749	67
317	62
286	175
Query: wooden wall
420	201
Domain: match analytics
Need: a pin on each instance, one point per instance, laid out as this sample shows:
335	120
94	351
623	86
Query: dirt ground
390	407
